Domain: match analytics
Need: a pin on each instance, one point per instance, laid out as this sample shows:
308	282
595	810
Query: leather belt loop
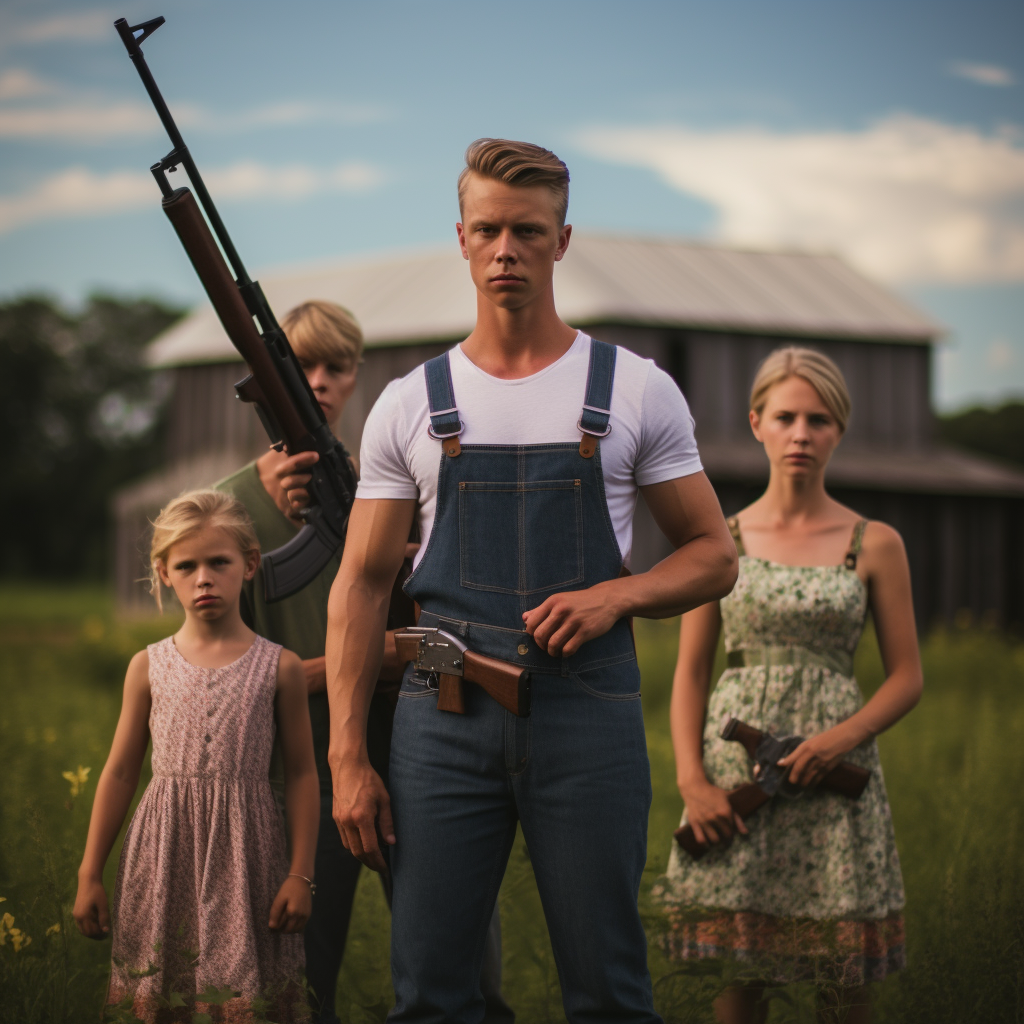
588	446
452	447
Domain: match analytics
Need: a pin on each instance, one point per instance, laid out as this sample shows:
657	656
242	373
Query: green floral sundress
815	891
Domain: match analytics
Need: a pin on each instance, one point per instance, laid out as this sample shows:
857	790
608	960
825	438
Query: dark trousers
337	874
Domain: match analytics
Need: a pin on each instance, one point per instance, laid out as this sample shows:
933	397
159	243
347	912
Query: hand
292	906
292	480
709	813
362	811
92	913
816	757
565	622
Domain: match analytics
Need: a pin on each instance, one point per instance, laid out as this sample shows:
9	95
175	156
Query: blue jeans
576	776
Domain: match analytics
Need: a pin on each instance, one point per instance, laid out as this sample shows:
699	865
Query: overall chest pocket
520	537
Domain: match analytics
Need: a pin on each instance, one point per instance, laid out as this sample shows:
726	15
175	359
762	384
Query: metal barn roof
428	295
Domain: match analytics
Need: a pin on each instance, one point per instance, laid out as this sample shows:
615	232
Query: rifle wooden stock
507	684
744	800
846	779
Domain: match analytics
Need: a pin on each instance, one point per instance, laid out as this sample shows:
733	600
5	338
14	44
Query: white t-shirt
651	440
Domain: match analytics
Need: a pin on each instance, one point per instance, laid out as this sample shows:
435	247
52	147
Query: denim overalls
515	524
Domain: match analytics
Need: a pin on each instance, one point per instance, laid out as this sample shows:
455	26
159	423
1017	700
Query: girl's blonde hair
818	370
187	515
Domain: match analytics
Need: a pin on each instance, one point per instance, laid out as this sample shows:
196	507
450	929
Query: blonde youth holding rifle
811	889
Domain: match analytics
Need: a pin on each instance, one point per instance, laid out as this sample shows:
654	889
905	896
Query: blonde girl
205	893
809	889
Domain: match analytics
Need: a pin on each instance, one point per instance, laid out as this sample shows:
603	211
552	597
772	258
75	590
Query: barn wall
966	554
889	385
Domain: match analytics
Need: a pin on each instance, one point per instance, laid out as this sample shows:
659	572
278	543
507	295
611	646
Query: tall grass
953	770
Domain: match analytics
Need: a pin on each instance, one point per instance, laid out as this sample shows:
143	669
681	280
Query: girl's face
798	432
206	571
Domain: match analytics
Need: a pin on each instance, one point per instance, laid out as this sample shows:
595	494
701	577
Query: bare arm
114	791
701	569
293	904
892	609
357	614
707	807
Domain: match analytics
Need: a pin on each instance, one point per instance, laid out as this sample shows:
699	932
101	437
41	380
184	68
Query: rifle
276	384
766	751
446	659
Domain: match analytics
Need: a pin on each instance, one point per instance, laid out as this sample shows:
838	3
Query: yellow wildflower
5	926
54	929
77	779
19	939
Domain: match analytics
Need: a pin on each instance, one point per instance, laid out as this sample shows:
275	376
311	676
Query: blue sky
892	133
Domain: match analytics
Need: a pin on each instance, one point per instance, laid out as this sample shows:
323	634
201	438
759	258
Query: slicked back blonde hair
186	516
517	163
818	370
324	332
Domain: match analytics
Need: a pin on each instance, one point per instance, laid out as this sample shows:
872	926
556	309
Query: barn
705	314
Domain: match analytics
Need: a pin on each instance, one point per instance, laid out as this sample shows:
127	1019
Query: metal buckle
583	430
443	437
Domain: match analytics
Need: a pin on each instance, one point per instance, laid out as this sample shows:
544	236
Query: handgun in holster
446	663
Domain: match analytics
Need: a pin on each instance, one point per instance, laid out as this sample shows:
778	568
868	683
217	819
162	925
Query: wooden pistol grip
408	645
507	684
449	694
744	734
744	800
849	780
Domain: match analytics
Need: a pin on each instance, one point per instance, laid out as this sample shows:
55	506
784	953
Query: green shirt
299	622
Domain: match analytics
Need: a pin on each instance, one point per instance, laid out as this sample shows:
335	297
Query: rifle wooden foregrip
744	734
407	645
507	684
744	800
183	212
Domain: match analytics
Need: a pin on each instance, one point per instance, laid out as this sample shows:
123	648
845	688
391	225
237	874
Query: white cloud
1000	355
907	198
982	74
98	120
18	83
78	192
78	27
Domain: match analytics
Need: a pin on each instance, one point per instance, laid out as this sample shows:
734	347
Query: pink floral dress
204	855
815	892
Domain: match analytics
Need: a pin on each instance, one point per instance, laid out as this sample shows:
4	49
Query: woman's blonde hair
324	332
187	515
818	370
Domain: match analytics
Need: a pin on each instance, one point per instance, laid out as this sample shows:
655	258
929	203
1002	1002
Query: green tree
83	414
997	432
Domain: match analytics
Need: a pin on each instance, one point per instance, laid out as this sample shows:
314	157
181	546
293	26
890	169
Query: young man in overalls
521	451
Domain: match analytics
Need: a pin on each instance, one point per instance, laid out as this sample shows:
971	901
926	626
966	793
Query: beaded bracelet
312	884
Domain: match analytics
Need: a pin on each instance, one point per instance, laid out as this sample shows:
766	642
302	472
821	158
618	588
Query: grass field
953	768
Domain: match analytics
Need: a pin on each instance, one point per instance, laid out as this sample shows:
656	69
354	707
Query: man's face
512	239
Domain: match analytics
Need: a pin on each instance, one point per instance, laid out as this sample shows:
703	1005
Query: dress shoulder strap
856	539
594	422
734	528
445	424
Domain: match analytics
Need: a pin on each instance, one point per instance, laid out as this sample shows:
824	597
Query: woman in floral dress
810	889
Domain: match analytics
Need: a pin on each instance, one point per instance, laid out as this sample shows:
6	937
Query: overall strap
445	425
597	403
850	561
734	528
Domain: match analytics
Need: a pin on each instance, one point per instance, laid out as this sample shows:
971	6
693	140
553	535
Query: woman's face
798	432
